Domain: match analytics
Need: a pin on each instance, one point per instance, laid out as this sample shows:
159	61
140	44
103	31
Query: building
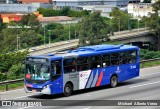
34	1
55	19
140	9
22	8
3	1
7	1
105	10
6	18
78	4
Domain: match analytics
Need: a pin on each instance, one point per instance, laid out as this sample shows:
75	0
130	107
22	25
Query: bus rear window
132	56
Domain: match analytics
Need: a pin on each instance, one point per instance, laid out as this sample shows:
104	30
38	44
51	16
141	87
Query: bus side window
132	56
114	59
106	60
123	57
70	65
82	63
56	67
95	61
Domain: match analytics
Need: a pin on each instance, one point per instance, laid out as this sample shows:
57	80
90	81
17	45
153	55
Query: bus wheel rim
67	90
114	81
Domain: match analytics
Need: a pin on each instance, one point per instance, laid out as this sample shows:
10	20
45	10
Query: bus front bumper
45	90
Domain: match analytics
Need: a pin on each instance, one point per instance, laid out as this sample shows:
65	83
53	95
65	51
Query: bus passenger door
57	77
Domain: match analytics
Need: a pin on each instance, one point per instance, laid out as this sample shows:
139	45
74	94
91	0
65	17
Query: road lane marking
87	108
23	96
26	107
150	74
144	84
88	95
149	68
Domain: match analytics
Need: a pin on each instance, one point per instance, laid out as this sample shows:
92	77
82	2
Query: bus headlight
47	86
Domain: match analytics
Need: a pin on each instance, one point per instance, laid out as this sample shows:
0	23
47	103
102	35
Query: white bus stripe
95	79
90	80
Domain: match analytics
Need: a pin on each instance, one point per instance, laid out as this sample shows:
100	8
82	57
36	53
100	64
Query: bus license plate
33	90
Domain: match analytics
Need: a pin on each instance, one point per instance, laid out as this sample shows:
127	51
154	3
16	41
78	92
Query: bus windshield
37	71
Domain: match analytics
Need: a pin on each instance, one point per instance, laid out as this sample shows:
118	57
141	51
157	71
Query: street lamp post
75	31
18	45
129	23
49	36
119	25
44	33
138	25
69	32
110	24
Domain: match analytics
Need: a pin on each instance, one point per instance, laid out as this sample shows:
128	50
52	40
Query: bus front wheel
114	81
67	90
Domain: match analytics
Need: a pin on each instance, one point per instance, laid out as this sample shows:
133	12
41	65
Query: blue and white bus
85	67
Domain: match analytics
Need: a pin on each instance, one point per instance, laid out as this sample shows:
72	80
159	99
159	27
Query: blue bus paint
98	76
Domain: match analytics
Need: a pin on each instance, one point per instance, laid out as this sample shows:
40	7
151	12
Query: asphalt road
144	87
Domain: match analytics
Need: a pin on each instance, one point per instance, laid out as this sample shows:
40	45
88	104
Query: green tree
120	20
30	19
7	60
30	38
49	12
156	6
153	22
93	30
8	38
65	11
2	25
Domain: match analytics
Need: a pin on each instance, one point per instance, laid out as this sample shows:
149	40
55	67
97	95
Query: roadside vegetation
12	86
64	12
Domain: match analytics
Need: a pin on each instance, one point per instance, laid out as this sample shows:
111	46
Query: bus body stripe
95	79
90	80
99	79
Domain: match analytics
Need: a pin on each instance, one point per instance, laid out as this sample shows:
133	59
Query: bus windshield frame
37	69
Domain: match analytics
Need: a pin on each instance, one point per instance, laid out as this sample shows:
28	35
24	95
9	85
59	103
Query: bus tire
114	81
68	90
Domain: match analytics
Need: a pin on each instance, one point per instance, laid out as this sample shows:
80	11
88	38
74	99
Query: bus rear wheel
114	81
68	90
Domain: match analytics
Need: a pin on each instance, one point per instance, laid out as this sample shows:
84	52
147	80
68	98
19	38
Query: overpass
53	47
136	35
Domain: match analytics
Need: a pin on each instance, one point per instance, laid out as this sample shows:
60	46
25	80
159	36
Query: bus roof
90	50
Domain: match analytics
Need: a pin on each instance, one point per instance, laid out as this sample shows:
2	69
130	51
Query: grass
150	64
11	86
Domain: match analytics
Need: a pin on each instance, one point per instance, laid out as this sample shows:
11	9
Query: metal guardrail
149	60
20	80
10	82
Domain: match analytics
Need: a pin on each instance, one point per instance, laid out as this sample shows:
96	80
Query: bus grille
37	89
